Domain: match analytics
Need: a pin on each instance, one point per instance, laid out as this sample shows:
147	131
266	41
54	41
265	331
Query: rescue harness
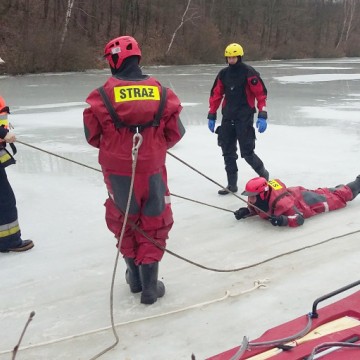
133	128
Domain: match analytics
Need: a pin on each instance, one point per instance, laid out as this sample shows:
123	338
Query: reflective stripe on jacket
4	120
5	158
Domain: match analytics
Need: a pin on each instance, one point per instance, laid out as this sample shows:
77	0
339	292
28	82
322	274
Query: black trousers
10	235
242	132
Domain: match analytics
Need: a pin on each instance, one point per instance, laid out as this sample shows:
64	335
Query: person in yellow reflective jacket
10	234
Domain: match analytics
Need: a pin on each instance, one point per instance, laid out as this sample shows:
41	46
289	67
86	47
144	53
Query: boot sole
148	301
19	249
223	192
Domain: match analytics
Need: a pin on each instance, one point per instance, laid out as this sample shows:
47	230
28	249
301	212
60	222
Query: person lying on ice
290	206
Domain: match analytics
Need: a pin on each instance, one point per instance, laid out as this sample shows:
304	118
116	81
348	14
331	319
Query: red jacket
297	203
237	87
135	102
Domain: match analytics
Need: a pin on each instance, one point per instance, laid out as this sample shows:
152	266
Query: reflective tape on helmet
115	50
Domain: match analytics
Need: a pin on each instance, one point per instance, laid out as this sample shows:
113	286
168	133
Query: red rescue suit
298	203
136	102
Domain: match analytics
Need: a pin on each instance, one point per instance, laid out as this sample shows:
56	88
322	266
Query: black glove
241	213
277	220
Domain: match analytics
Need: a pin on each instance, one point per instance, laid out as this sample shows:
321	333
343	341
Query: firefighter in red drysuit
127	103
237	87
10	235
290	206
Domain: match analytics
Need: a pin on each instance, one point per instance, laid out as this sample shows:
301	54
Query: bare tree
349	10
272	29
110	19
352	6
182	22
270	20
67	19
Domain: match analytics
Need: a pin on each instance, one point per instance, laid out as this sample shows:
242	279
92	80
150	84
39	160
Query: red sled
332	333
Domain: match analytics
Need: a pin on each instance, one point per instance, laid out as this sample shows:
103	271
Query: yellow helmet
234	49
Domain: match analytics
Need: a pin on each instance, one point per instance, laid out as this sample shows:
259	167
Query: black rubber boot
232	185
255	162
152	287
355	187
263	173
132	275
23	246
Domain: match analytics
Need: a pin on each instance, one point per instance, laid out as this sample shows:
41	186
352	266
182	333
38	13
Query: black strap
13	148
161	106
12	145
114	116
117	121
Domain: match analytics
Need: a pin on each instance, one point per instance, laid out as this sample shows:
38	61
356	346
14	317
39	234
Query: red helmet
2	103
4	110
123	46
256	186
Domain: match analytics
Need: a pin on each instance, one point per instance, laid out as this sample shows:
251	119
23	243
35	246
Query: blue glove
261	124
211	125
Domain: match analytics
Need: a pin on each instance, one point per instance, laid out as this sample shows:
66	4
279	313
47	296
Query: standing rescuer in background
237	87
128	103
10	235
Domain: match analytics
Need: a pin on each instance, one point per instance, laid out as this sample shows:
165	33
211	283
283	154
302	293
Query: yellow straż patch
136	92
274	184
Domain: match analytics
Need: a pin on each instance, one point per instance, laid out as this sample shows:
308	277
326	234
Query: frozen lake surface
313	140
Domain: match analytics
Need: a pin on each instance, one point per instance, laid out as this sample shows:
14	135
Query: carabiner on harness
137	141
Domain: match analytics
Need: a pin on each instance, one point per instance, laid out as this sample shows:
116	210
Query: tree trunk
66	24
178	28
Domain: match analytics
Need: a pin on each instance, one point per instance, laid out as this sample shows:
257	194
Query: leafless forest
69	35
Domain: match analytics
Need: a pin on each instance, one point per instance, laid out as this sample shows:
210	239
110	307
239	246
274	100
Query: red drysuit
136	102
298	203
